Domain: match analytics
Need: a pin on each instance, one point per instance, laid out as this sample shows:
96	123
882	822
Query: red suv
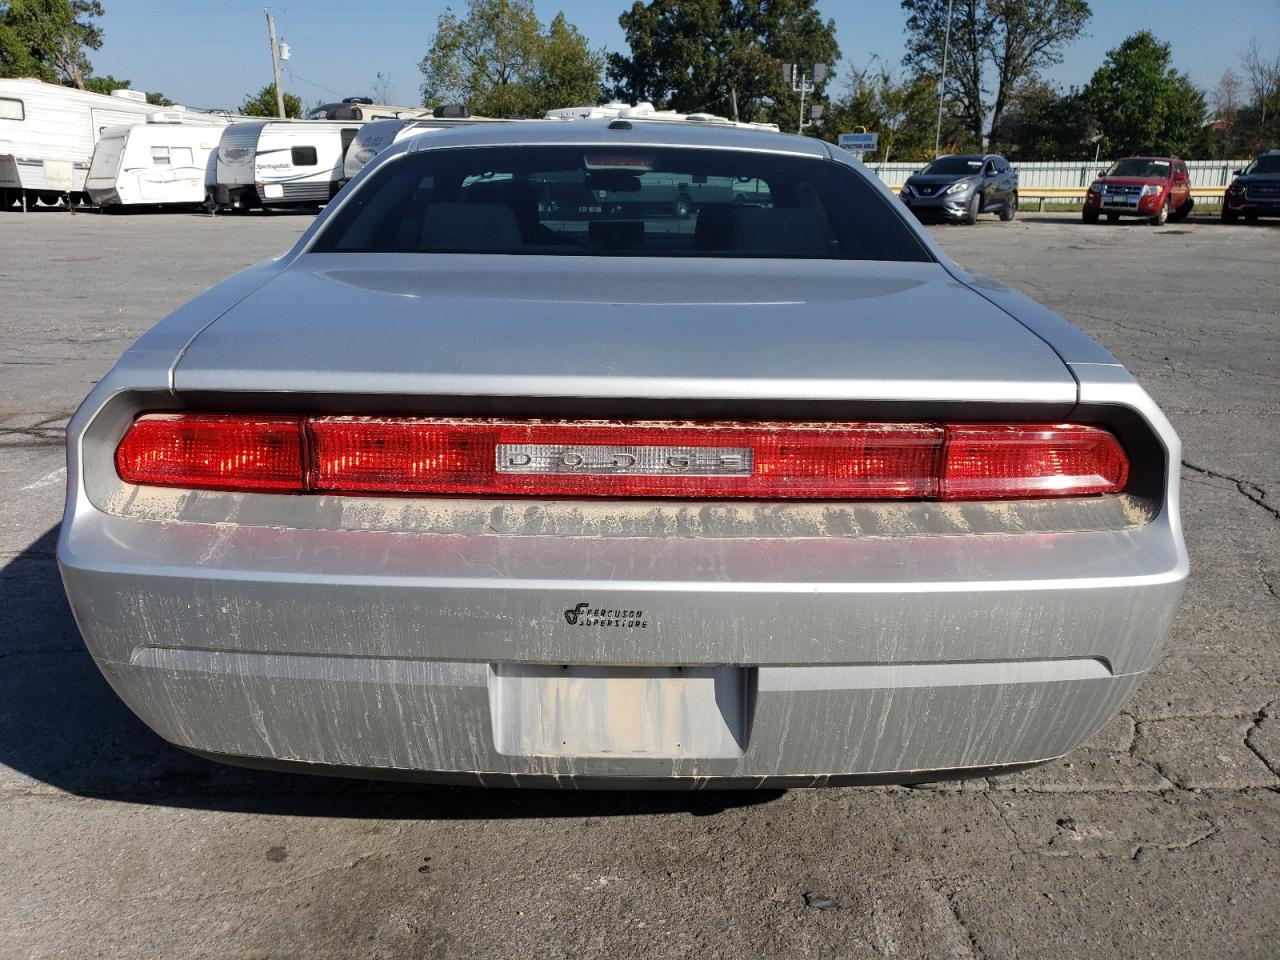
1158	188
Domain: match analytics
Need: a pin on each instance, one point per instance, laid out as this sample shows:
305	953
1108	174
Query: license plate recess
587	711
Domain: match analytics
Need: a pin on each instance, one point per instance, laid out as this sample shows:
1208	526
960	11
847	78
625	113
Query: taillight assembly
214	452
999	461
608	459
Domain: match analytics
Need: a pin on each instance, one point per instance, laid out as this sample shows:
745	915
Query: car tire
1161	218
975	207
1229	216
1183	211
1089	216
1113	218
1010	208
1251	217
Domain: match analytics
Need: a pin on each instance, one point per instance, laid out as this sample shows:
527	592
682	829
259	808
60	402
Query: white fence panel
1073	173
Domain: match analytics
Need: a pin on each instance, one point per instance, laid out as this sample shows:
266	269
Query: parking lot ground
1160	837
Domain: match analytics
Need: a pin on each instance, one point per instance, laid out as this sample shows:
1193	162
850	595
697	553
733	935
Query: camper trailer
362	108
280	163
48	132
376	136
620	110
161	162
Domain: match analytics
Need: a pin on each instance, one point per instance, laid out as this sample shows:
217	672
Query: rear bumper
890	659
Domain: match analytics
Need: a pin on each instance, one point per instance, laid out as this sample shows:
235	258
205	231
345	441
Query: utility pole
942	80
275	63
803	83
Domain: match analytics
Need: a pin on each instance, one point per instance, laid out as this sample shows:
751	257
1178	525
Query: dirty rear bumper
393	653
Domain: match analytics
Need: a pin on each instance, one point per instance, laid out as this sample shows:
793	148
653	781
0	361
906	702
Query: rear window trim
418	145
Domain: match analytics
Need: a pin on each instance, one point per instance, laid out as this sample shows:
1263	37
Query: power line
294	75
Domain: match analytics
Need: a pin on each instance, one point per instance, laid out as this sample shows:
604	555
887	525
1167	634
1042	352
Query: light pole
804	83
942	79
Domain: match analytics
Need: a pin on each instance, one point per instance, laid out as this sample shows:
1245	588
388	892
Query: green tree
901	111
263	104
500	62
47	39
1258	124
1044	124
1141	103
721	56
105	85
1002	42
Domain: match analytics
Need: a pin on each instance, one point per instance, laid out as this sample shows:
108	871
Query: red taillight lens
993	461
214	452
660	459
763	461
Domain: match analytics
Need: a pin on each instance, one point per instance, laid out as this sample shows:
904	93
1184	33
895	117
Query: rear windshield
1139	168
608	201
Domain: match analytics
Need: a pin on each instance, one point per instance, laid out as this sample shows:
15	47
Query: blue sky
209	54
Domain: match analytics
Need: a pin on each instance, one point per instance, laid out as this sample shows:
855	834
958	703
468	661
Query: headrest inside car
479	227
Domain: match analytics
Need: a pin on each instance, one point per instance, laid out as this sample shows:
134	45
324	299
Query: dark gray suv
1255	191
960	187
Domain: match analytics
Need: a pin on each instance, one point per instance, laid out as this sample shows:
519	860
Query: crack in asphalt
1013	834
1174	784
974	948
1264	714
1249	490
49	432
1266	582
1140	851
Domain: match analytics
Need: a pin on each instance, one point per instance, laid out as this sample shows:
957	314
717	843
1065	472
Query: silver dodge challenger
622	454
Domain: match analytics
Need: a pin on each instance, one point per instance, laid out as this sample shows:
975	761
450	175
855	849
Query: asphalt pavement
1160	837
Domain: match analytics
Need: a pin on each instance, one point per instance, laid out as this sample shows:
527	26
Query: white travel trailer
163	161
376	136
280	163
48	132
363	108
619	110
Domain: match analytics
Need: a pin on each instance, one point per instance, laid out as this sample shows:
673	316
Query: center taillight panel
611	459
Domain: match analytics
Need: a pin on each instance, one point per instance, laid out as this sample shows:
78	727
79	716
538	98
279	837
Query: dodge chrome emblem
624	460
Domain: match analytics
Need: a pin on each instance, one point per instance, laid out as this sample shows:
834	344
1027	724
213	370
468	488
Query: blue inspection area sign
859	142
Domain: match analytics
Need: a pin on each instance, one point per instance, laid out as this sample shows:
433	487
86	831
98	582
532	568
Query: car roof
649	133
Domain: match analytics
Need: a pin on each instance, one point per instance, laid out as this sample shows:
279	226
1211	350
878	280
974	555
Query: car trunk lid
618	328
